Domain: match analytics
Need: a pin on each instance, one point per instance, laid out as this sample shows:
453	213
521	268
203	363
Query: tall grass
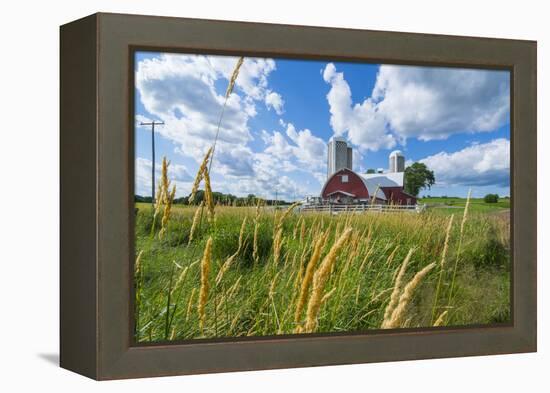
309	272
384	275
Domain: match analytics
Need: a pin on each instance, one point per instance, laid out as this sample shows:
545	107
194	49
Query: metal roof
374	181
388	179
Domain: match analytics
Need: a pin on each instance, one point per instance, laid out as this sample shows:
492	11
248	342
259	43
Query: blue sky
282	113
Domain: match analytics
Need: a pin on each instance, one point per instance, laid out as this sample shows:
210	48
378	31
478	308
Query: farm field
455	205
257	271
218	261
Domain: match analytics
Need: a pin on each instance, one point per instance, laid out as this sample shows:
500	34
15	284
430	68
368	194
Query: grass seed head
199	176
195	223
190	303
205	284
137	265
406	297
398	286
446	244
320	278
308	277
167	211
441	319
234	77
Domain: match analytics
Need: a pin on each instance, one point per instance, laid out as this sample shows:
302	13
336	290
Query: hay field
256	271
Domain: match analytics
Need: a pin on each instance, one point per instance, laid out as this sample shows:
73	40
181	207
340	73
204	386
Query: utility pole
152	124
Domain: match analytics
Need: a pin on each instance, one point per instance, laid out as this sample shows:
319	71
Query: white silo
397	161
340	155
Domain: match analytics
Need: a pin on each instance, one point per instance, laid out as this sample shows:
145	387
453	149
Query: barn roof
373	188
390	179
375	180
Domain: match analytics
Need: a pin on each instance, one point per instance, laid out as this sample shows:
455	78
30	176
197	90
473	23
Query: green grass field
455	205
256	275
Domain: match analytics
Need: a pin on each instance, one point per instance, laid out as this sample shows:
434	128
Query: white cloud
418	102
310	150
252	74
281	187
358	161
178	174
286	153
476	165
279	147
265	136
434	103
233	160
275	101
180	90
142	119
300	149
364	125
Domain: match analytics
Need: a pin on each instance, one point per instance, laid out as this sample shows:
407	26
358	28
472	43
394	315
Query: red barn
348	187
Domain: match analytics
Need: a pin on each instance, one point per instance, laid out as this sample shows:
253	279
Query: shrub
491	198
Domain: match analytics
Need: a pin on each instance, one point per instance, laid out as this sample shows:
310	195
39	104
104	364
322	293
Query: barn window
344	178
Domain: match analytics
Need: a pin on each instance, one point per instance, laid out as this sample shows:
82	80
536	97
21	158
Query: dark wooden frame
97	188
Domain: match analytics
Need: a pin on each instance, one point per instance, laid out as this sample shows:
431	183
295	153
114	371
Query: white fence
360	208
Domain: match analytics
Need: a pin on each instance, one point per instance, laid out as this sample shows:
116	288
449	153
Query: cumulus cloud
434	103
418	102
178	174
364	125
476	165
233	161
181	90
357	161
184	91
299	149
286	153
309	149
275	100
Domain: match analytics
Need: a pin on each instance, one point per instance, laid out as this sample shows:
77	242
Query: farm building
345	186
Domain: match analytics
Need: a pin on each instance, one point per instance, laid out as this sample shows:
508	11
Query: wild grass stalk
308	277
441	319
229	261
209	197
200	175
205	284
230	86
442	264
255	253
168	304
190	304
195	222
167	212
397	288
459	251
406	297
366	290
319	280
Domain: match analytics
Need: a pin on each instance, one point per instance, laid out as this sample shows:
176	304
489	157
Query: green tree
490	198
370	170
417	177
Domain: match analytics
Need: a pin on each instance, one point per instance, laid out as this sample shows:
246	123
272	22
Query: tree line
221	199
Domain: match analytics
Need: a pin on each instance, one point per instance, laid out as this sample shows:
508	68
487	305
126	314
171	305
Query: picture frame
96	198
